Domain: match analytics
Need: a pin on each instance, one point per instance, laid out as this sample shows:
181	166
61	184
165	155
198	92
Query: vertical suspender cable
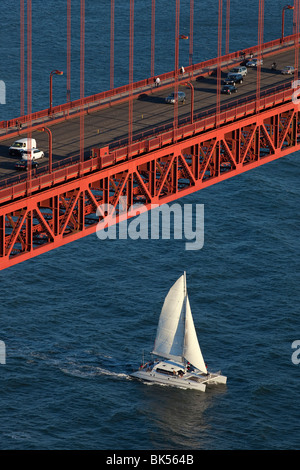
68	50
259	54
130	103
29	58
296	33
29	85
112	42
191	32
153	39
82	38
227	26
177	16
22	76
218	104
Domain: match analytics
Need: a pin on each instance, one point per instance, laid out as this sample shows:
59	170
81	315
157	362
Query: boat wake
90	371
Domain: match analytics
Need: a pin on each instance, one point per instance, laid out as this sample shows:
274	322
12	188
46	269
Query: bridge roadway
110	125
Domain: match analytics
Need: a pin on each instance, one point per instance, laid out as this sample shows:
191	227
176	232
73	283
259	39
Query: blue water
76	320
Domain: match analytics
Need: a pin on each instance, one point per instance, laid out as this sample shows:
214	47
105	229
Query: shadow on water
178	415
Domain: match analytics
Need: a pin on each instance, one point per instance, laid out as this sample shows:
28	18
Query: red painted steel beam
53	217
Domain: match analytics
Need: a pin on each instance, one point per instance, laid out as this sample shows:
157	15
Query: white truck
22	144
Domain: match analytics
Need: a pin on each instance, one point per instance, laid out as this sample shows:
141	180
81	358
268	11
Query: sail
169	340
192	352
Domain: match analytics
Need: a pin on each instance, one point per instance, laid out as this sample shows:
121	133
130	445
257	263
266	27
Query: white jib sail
170	332
192	352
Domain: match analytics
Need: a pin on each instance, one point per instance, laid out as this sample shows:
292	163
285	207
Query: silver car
242	70
288	70
172	97
254	62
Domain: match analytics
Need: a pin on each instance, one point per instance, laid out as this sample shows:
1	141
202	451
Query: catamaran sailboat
176	342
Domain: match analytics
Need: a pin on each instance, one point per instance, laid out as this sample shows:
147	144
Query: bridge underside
63	213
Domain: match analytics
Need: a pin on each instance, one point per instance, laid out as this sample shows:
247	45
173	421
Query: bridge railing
116	94
71	167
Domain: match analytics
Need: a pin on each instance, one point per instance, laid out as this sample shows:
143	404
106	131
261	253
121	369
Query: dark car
228	81
228	89
180	97
235	78
23	165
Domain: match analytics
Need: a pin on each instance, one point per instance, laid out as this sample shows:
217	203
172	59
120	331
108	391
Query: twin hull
187	382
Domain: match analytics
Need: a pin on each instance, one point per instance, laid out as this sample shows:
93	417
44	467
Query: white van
22	144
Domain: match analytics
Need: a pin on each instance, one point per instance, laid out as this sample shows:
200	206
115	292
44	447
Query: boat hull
176	375
178	382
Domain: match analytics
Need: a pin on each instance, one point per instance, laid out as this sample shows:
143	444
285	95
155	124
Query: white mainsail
171	325
176	337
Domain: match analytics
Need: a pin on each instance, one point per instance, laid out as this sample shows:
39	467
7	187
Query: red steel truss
62	206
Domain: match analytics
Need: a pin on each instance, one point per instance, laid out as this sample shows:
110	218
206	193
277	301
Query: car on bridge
23	165
241	70
288	70
33	154
233	78
254	63
228	89
172	98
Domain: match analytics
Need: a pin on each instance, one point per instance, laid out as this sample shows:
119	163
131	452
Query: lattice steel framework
55	216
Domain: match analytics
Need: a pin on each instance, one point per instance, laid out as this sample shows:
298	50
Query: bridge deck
110	125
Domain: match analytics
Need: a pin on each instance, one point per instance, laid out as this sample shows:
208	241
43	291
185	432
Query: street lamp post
54	72
182	36
45	129
287	7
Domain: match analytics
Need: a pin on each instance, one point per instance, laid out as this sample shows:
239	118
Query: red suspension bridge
133	144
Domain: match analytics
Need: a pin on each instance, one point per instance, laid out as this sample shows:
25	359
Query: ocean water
77	320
